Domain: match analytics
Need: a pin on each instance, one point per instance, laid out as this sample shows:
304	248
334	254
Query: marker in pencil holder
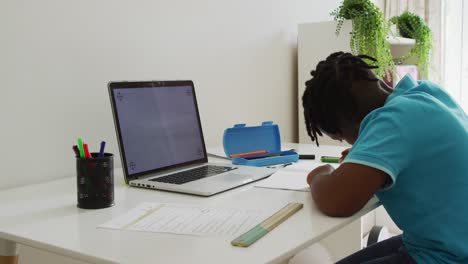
95	181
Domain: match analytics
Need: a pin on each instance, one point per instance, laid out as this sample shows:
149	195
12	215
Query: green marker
80	147
329	159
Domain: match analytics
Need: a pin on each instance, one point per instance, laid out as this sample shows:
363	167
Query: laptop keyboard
193	174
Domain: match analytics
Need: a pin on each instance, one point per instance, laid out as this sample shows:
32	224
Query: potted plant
369	33
413	26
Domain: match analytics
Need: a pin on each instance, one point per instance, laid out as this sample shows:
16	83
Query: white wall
56	57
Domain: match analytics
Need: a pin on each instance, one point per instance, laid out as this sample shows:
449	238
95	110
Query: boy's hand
344	154
342	192
324	169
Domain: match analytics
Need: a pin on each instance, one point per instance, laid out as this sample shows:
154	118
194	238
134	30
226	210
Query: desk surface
45	216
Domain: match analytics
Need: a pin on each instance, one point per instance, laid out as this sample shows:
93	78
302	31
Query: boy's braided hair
328	96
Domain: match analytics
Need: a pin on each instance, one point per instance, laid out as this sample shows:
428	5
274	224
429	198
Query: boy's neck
374	97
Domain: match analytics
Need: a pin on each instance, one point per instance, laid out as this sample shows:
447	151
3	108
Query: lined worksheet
187	219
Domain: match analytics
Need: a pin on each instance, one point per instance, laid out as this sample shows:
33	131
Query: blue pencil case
263	142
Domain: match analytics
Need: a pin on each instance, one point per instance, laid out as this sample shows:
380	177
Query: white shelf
401	41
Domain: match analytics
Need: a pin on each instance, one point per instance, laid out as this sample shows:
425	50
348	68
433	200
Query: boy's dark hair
328	96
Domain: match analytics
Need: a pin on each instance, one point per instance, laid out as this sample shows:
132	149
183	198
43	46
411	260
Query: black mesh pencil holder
95	181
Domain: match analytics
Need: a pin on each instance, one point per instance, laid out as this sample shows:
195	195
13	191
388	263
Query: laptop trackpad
235	176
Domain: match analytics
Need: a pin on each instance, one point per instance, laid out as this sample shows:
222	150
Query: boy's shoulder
413	101
400	109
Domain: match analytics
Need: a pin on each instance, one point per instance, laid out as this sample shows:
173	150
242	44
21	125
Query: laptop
161	140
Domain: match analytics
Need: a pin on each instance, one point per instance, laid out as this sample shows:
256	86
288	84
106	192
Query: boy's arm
344	191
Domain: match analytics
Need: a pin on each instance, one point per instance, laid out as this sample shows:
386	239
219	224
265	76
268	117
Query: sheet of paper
187	220
303	166
293	177
286	180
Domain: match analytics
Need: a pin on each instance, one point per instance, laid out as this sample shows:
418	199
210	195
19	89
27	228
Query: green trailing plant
369	33
413	26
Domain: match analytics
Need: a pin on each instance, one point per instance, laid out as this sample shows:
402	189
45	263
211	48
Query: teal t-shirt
420	139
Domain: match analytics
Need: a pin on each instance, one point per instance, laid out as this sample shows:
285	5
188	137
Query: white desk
45	216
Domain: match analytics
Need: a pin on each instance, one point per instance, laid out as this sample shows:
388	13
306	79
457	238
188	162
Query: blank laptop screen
159	127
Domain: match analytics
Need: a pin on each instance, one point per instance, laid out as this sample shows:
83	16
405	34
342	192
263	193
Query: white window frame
456	51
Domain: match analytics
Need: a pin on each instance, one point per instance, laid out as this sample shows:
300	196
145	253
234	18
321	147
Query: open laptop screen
158	125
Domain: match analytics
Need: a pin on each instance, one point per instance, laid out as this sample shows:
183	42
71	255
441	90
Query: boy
409	148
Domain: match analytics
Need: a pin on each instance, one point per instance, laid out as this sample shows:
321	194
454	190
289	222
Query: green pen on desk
329	159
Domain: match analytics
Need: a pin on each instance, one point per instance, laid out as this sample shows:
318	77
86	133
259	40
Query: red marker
86	151
249	153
